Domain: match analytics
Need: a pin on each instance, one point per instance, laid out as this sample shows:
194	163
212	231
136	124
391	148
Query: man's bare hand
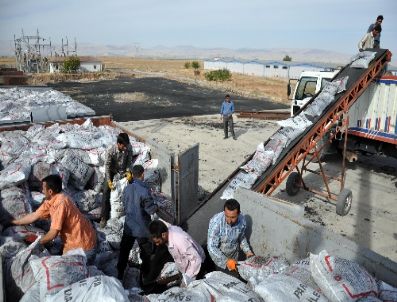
249	254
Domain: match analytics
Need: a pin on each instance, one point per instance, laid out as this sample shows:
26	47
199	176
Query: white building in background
254	68
87	64
271	69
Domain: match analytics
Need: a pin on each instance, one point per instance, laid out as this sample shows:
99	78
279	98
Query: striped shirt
225	241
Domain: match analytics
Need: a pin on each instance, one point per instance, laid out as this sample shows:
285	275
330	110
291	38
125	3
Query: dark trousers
153	257
105	210
228	123
127	242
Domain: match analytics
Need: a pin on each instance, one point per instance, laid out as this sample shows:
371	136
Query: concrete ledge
275	229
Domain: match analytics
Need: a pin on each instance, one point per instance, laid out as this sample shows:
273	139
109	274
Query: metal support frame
309	142
330	196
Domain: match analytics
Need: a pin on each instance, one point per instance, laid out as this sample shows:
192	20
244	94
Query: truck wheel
344	202
293	184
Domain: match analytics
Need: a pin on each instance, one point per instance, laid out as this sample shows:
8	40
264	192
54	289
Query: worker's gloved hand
30	238
110	185
128	175
154	216
231	264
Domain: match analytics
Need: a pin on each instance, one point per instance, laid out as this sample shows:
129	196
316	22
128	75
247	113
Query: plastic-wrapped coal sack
14	174
285	288
94	289
242	179
260	161
21	101
55	272
14	203
341	279
80	172
152	175
19	274
257	268
227	288
362	59
9	247
12	144
117	198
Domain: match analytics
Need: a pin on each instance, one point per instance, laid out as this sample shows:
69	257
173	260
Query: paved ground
132	99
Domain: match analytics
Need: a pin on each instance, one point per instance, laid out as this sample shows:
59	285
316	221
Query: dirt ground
372	221
131	99
274	89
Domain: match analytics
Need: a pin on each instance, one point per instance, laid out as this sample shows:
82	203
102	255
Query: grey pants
228	123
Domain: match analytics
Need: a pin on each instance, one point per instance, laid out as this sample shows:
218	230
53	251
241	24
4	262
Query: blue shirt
227	108
139	205
225	241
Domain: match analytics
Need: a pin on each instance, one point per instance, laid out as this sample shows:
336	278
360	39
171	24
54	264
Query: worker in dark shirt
118	161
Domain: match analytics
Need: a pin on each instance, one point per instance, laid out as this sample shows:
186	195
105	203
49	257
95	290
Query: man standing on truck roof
67	221
118	160
188	255
379	21
227	110
369	39
226	236
139	207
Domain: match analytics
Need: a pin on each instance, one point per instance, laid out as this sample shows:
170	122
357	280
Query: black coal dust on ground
132	99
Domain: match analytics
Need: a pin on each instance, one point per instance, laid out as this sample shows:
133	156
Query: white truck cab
308	84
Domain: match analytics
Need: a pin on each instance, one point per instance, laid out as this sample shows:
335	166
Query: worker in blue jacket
139	207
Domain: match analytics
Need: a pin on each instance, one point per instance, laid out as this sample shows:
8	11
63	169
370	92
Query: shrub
218	75
187	65
71	64
287	58
195	65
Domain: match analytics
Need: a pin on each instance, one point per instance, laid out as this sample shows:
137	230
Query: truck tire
344	202
293	184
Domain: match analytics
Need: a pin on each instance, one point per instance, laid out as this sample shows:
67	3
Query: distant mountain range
190	52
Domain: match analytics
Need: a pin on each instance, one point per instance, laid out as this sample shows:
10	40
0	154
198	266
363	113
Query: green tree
287	58
218	75
71	64
196	66
187	65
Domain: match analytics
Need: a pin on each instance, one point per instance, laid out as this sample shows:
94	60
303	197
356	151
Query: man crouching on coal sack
226	236
188	255
66	219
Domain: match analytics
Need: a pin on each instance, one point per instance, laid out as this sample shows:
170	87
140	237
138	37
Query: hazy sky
322	24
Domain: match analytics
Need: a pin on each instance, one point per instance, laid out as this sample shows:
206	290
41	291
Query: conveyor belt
359	79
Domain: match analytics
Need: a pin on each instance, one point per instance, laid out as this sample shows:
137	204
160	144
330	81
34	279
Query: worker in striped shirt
226	237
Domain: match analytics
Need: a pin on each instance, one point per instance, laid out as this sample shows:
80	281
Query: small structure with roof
87	64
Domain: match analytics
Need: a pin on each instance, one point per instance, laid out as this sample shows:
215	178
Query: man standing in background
227	110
